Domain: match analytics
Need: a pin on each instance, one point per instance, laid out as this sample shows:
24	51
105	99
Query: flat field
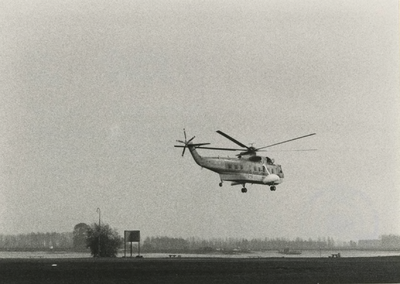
201	270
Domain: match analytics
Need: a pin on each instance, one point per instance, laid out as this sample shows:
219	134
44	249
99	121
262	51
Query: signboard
132	236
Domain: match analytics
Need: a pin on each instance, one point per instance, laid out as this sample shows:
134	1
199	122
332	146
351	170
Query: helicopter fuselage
241	170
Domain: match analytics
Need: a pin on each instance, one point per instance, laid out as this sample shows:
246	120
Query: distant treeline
165	244
37	241
66	241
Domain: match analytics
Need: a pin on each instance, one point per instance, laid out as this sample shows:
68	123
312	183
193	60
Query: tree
110	241
79	237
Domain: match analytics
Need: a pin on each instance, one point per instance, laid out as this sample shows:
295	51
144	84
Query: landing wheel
244	190
220	184
273	188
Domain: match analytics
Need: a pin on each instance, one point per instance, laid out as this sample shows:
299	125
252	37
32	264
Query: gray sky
95	93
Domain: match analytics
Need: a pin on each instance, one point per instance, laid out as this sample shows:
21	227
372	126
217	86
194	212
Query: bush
110	241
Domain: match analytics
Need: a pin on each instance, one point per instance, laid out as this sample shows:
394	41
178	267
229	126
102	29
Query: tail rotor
187	142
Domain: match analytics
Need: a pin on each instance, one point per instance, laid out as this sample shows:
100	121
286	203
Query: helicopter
246	167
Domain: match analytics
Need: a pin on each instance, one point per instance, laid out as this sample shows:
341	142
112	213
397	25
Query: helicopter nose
272	178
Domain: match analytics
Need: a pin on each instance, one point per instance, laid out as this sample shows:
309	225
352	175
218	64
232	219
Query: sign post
132	236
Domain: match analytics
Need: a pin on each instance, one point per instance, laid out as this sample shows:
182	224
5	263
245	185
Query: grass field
196	270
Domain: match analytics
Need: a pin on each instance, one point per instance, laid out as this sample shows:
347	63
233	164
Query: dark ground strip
201	270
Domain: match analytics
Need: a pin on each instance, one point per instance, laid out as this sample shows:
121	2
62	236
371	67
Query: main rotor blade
222	149
232	139
286	141
196	145
296	150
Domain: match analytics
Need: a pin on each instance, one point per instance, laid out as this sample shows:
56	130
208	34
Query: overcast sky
93	95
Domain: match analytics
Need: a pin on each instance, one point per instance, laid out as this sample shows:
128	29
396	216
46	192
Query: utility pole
98	211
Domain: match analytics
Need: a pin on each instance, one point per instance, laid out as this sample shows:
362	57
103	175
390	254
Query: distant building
369	244
391	242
